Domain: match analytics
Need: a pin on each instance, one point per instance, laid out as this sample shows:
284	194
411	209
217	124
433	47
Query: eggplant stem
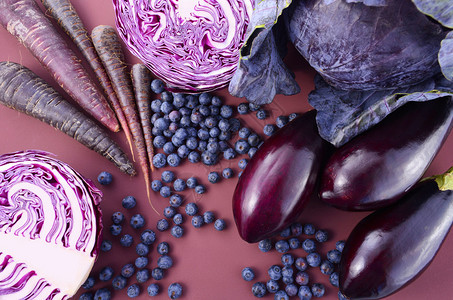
444	181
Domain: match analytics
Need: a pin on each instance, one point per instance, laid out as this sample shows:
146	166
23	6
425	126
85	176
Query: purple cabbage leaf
355	46
342	114
261	72
446	56
439	10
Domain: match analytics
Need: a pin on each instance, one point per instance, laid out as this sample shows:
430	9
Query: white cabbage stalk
192	45
50	227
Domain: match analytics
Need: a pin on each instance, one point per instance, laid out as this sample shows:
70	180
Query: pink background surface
207	263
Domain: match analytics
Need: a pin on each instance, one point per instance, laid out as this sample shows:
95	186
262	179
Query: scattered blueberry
314	259
291	289
281	121
213	177
259	289
133	290
129	202
105	274
297	229
272	286
115	230
244	132
148	237
227	173
261	114
318	290
177	231
269	129
242	146
137	221
292	116
301	263
163	248
126	240
87	296
229	154
168	176
287	259
157	273
265	245
334	279
192	182
243	108
157	86
105	178
248	274
191	208
174	290
282	246
103	294
275	272
89	283
309	245
175	200
165	192
142	249
169	212
128	270
106	246
208	217
334	256
164	262
243	163
254	140
321	236
142	275
304	293
153	289
173	160
178	219
287	271
162	225
197	221
156	185
285	232
294	243
309	229
117	217
219	224
327	267
302	278
119	282
339	245
141	262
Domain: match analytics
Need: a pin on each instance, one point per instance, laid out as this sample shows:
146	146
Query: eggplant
390	247
279	179
377	167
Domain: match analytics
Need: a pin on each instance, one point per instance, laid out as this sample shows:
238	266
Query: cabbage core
192	45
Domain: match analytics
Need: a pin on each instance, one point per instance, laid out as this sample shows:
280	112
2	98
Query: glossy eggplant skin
377	167
279	180
390	247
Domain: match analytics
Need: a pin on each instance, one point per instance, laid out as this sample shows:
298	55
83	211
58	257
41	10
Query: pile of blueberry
291	277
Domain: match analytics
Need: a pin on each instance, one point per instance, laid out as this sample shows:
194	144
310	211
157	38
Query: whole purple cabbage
192	45
50	227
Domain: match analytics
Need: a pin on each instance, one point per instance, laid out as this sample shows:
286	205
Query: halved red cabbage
192	45
50	227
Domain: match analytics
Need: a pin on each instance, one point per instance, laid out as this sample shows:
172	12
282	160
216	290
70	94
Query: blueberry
292	116
179	185
142	249
173	160
200	189
137	221
224	136
287	279
244	132
302	278
178	100
269	129
174	290
119	282
155	105
126	240
235	124
209	158
281	121
162	225
153	289
334	279
211	122
259	289
163	248
177	231
142	275
106	246
223	145
243	163
117	217
321	236
129	202
248	274
191	101
169	212
254	106
159	160
301	263
285	232
176	200
339	245
105	178
282	246
191	209
252	151
243	108
178	219
205	98
192	143
287	259
215	100
304	293
265	245
115	230
242	146
161	124
314	259
219	224
272	286
213	177
275	272
174	116
227	173
133	290
334	256
291	290
287	271
309	229
103	294
208	217
106	273
229	154
194	157
185	120
166	96
297	229
224	125
164	262
254	139
166	107
89	283
165	192
192	182
156	185
202	146
128	270
182	151
261	114
141	262
157	86
318	290
159	141
168	176
197	221
87	296
226	111
214	132
294	243
309	245
327	267
148	237
213	147
157	273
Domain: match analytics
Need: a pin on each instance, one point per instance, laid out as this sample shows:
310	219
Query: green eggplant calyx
445	181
